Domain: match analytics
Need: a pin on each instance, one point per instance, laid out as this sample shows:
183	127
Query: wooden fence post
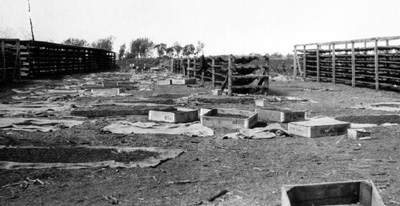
318	66
304	63
17	68
188	67
3	53
172	65
213	71
294	63
194	68
333	64
202	73
229	75
181	66
376	65
365	46
353	66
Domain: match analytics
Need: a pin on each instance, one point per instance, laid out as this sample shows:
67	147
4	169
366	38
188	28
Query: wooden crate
361	192
210	119
164	82
183	81
321	127
280	115
175	115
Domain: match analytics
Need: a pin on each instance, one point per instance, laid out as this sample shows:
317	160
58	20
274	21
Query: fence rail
25	59
350	63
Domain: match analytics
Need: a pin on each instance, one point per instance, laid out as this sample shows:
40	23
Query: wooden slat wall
376	66
36	58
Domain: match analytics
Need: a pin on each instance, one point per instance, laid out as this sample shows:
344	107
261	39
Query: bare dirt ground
245	172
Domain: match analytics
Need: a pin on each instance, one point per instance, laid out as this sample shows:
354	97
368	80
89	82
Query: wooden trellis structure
24	59
372	62
236	73
10	67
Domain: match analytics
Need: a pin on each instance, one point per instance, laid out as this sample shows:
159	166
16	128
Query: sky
225	26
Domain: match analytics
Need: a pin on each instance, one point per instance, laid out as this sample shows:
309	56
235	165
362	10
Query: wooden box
110	91
357	133
261	102
363	193
280	115
321	127
164	82
174	115
217	92
109	83
183	81
229	118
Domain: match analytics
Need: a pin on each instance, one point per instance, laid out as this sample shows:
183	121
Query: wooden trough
283	115
183	81
164	82
321	127
363	193
175	115
228	118
108	91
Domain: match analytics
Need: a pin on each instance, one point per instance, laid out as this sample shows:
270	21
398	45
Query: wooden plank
376	199
354	40
249	76
251	86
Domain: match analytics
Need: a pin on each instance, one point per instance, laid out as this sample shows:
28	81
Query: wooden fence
25	59
236	73
372	62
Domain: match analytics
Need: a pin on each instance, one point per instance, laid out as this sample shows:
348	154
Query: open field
245	171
